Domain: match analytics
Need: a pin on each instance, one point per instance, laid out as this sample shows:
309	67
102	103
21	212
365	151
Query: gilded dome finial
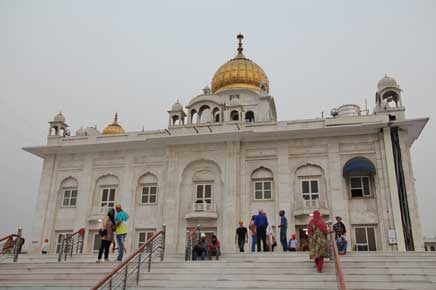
240	37
116	117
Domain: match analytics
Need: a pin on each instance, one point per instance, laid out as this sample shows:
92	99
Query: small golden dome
241	73
113	128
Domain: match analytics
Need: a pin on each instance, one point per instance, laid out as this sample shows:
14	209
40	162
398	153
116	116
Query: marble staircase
363	271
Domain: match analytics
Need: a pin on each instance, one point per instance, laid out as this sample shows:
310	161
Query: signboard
392	237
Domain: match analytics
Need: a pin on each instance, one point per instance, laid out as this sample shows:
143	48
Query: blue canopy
358	164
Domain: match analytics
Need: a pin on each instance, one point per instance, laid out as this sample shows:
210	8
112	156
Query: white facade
214	167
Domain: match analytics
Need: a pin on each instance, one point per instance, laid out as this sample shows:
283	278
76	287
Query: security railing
191	236
128	272
202	206
10	246
337	259
72	245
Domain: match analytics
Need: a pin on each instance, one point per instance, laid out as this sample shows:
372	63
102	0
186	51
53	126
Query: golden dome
113	128
241	73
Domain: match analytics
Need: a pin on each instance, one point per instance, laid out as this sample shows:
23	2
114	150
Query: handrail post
139	268
150	254
67	249
61	249
187	246
125	277
72	246
164	229
17	246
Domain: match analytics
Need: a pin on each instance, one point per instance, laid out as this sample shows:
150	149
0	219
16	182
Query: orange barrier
338	264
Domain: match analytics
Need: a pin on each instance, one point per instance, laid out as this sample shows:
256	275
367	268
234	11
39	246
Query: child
293	243
44	248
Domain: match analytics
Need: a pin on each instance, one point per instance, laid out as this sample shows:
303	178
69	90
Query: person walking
121	230
339	228
269	235
252	228
283	230
293	243
318	240
261	223
107	235
241	236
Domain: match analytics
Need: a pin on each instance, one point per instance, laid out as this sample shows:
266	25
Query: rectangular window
108	198
263	190
365	239
60	236
149	194
144	236
309	189
70	198
360	186
204	193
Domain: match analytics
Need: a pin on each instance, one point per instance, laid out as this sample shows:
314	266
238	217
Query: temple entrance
302	237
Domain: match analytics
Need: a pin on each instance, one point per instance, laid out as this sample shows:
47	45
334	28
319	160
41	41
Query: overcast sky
89	59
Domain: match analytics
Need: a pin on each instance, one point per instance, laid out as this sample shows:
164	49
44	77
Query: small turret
58	127
388	98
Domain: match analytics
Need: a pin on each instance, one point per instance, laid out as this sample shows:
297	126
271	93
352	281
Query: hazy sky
92	58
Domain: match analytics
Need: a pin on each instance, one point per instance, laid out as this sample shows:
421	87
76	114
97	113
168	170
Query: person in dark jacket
339	228
261	223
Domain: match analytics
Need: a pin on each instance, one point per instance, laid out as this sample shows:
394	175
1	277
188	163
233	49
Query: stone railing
203	206
202	210
97	213
302	206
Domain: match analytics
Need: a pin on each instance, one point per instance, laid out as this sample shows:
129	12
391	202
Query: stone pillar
418	238
40	217
393	189
337	198
230	218
284	197
126	196
174	235
85	198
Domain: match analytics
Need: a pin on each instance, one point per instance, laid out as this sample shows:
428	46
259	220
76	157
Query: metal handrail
12	245
338	264
132	266
190	242
72	244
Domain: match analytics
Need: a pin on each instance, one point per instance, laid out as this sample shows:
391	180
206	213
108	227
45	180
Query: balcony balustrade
202	210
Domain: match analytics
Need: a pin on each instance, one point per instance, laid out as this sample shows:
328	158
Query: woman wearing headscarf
107	235
318	239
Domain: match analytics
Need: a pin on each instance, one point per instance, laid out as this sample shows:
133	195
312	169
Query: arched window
262	182
194	117
175	119
249	116
310	182
107	187
234	115
205	114
216	115
359	173
203	181
148	189
68	190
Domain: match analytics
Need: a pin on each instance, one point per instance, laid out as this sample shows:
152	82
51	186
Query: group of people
114	225
262	234
203	249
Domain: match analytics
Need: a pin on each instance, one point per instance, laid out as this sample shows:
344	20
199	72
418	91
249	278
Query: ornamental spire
240	37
